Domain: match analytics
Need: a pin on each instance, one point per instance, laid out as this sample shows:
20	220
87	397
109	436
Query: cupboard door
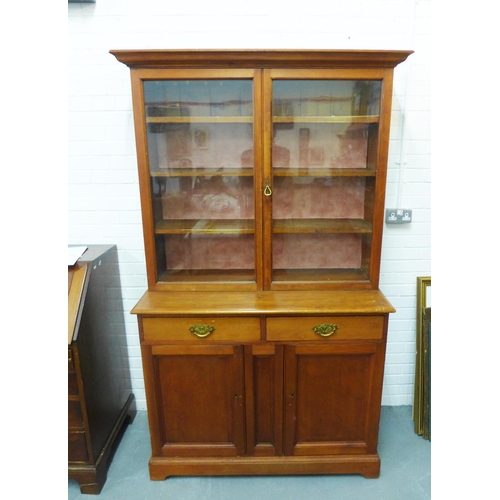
264	399
332	398
198	167
324	160
200	400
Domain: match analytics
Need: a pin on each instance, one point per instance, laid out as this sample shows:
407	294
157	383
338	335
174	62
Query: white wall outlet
398	215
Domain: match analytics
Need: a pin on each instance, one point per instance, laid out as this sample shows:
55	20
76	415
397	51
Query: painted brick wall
103	191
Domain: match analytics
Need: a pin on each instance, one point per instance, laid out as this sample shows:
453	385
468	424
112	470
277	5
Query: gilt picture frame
423	303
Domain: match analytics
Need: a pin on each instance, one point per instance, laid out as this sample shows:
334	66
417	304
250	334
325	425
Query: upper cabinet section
262	170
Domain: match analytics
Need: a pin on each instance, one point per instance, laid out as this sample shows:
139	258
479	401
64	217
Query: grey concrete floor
405	472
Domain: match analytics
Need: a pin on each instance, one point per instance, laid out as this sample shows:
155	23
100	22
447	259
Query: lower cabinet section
265	408
263	383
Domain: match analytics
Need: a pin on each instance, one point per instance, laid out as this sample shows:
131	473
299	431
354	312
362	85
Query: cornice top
221	58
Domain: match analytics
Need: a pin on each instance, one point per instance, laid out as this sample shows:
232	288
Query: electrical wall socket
397	215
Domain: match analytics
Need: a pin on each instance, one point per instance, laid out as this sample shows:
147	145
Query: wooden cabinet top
262	58
263	303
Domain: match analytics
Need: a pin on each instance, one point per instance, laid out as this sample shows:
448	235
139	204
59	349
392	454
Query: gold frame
422	303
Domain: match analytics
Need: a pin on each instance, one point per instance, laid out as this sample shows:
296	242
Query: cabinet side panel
375	391
152	397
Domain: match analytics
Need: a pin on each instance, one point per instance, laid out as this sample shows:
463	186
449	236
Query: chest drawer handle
201	331
325	330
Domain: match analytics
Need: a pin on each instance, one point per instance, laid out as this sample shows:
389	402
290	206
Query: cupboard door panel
329	405
200	392
264	398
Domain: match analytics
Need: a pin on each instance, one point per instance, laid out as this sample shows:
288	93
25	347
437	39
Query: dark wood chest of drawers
100	401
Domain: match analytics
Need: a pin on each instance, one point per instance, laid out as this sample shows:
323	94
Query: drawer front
196	329
77	447
75	417
313	328
72	384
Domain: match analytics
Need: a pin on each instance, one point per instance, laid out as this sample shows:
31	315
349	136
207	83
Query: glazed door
200	400
323	163
200	158
332	399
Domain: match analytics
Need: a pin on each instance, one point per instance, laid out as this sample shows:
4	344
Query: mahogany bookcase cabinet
262	178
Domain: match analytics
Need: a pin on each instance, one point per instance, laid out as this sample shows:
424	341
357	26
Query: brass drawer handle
201	331
325	330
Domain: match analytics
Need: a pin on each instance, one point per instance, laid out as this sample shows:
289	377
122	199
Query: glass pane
200	140
324	161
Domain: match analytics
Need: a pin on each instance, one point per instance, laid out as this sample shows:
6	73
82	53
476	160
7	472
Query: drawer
72	384
77	447
75	417
196	329
328	328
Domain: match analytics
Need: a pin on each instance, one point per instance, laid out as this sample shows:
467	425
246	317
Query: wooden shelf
324	172
203	172
247	226
199	119
207	275
276	119
277	172
326	119
205	226
339	226
321	275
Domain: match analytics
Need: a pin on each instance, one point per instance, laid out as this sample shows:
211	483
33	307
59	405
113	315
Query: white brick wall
103	192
